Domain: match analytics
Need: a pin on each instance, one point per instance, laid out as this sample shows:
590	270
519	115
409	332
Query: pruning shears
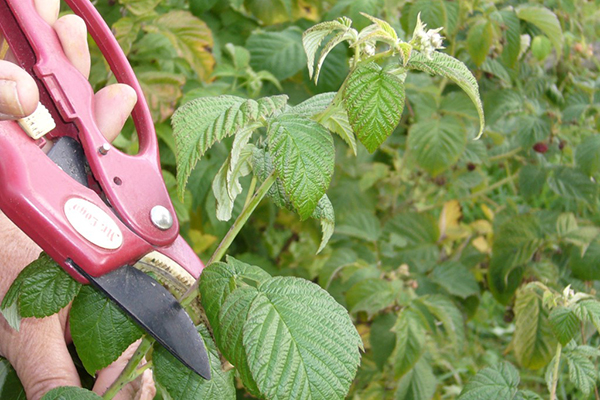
98	212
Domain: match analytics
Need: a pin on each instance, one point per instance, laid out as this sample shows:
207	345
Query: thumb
39	354
18	92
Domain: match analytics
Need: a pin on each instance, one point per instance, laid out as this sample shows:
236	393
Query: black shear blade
156	310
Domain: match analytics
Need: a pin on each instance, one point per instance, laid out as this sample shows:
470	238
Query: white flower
369	49
426	41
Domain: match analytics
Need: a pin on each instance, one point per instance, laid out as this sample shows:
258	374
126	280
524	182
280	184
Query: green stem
555	373
251	190
131	371
249	208
474	195
505	155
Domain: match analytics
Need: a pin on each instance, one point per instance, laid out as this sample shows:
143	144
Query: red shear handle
132	184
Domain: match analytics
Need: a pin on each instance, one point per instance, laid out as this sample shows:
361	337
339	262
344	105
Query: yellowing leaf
162	90
201	241
481	244
482	226
450	216
140	7
489	214
191	38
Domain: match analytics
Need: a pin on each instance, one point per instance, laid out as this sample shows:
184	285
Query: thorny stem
131	371
249	208
555	373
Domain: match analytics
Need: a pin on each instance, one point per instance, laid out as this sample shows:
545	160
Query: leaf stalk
237	226
130	372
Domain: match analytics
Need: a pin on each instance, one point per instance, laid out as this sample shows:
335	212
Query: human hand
38	352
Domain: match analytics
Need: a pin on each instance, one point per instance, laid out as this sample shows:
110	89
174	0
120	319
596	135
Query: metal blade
156	310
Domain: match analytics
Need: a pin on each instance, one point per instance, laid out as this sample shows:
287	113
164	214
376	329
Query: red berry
540	147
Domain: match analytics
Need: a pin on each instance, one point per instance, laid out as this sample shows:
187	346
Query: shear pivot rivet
104	149
161	218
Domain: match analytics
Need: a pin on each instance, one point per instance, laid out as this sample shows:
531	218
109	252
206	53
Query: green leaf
418	384
479	41
437	143
573	184
533	341
456	279
586	266
191	38
299	341
450	317
382	339
354	10
589	311
12	316
303	156
218	280
70	393
371	296
433	13
337	122
582	372
314	36
101	331
233	315
280	53
410	342
498	382
313	106
541	47
527	395
546	21
374	102
496	68
336	119
202	122
586	155
512	36
263	166
325	214
515	242
362	225
10	385
226	186
451	68
41	289
385	29
532	179
183	384
564	324
417	235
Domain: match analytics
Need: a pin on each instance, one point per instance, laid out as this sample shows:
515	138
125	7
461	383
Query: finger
48	10
40	356
141	388
72	32
113	105
18	92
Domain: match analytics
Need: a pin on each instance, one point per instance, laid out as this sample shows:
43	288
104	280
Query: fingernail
10	106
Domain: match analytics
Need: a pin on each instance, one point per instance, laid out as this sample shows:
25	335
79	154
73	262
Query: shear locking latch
39	123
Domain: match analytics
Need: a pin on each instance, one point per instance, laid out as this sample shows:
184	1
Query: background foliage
450	254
